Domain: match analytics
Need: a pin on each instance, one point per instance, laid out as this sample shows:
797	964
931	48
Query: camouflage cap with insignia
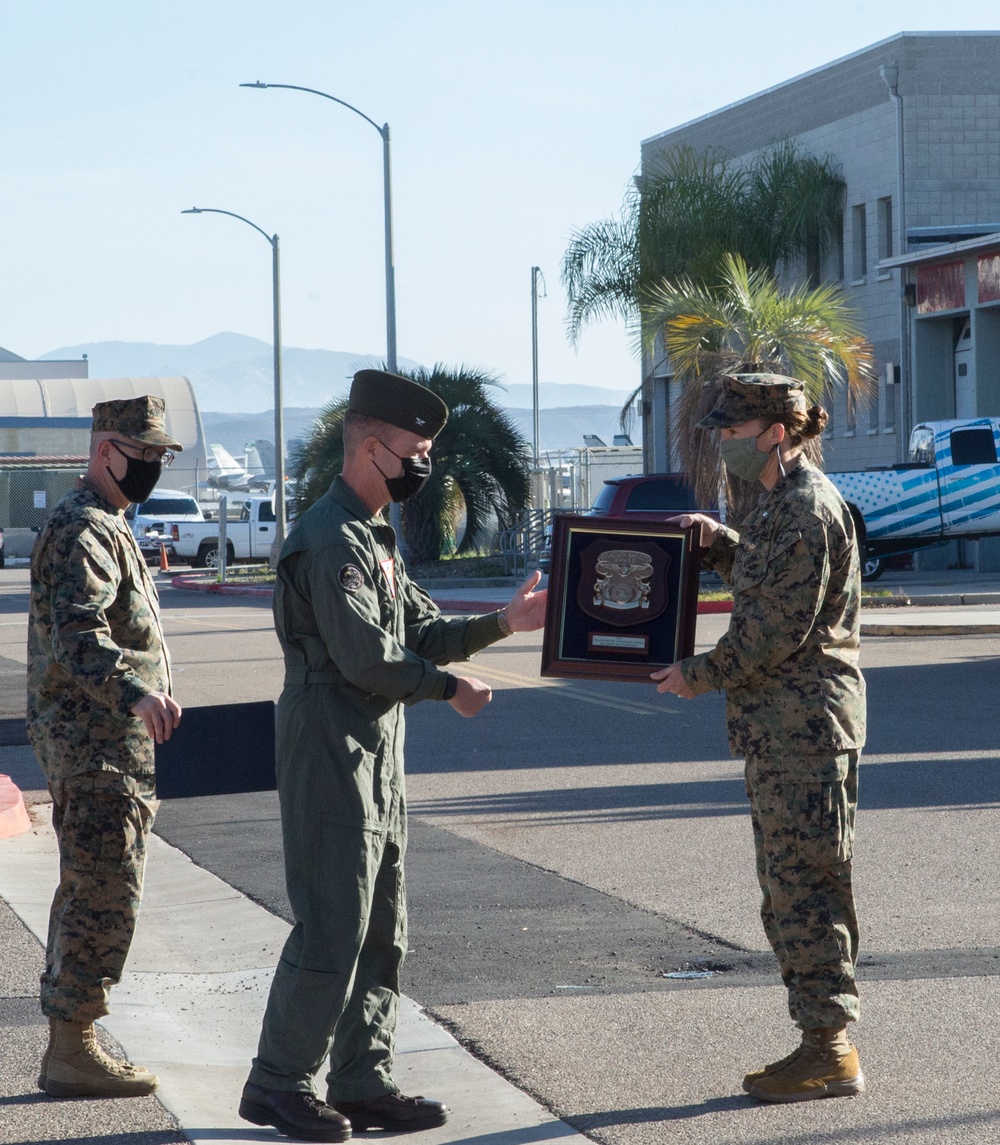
746	397
141	419
397	401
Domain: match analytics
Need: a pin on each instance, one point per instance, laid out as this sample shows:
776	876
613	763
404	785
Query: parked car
149	521
661	494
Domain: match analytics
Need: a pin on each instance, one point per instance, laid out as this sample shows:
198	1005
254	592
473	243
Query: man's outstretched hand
526	610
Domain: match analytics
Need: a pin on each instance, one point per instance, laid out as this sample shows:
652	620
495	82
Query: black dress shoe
394	1111
294	1113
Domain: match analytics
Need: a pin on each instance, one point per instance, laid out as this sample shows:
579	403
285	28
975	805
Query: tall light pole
536	274
390	268
395	514
279	412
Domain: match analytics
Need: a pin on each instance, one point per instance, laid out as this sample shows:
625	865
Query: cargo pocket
825	831
103	836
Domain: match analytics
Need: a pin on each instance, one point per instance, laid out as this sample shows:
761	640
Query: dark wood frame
682	608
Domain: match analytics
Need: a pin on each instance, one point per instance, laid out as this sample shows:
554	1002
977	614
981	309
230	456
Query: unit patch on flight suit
351	578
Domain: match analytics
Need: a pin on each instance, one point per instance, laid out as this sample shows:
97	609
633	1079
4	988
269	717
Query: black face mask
416	470
140	477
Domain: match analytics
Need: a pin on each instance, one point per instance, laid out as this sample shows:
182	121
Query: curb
929	629
478	606
193	584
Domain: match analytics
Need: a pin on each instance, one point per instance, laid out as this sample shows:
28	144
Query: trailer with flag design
949	488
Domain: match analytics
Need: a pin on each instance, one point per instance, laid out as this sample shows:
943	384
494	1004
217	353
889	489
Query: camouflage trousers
803	810
102	852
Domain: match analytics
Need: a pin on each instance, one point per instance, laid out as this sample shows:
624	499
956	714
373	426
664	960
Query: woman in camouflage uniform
795	708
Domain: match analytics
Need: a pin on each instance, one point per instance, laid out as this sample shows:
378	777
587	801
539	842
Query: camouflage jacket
95	646
360	641
789	661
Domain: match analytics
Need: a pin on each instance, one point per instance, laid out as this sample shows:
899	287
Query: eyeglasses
148	453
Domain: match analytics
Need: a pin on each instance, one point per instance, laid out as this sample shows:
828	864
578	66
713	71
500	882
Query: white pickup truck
248	538
150	522
949	488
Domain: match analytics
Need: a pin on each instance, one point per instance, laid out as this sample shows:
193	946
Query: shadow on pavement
643	1115
883	786
547	1131
152	1137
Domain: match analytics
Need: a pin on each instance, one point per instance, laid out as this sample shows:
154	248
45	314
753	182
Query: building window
874	403
859	228
891	386
852	414
838	246
885	228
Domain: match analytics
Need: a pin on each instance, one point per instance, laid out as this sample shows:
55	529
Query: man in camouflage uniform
98	698
360	641
795	706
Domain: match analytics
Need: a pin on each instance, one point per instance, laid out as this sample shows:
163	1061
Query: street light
390	269
279	413
536	274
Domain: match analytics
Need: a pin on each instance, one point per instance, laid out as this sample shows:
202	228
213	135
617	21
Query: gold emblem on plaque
623	577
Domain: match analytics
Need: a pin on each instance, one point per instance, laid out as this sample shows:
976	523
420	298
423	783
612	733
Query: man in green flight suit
360	640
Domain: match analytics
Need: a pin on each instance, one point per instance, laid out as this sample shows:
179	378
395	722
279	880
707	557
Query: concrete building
913	123
45	438
14	366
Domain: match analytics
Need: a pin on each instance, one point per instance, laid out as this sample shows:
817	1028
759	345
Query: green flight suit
360	640
795	707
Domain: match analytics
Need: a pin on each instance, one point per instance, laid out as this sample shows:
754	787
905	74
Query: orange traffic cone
13	814
164	563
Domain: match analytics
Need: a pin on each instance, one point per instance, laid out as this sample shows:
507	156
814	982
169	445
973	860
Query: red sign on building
988	273
941	287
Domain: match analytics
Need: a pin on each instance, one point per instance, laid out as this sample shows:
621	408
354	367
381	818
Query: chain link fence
566	481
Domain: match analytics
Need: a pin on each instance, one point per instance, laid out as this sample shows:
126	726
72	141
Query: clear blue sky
512	123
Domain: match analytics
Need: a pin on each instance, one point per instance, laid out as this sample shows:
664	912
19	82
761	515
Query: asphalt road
595	836
577	841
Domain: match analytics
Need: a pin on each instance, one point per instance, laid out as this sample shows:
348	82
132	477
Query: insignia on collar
351	578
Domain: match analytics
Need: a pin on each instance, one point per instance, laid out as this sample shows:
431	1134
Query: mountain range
232	376
234	372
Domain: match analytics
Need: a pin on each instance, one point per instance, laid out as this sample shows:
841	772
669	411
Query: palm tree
481	468
687	213
746	323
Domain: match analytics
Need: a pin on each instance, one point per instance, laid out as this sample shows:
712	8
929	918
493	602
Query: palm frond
480	469
745	322
685	214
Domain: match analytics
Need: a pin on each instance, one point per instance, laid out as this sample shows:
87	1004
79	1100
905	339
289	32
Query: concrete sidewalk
189	1008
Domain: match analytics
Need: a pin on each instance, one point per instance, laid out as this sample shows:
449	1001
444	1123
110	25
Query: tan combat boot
773	1067
76	1066
824	1065
45	1057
